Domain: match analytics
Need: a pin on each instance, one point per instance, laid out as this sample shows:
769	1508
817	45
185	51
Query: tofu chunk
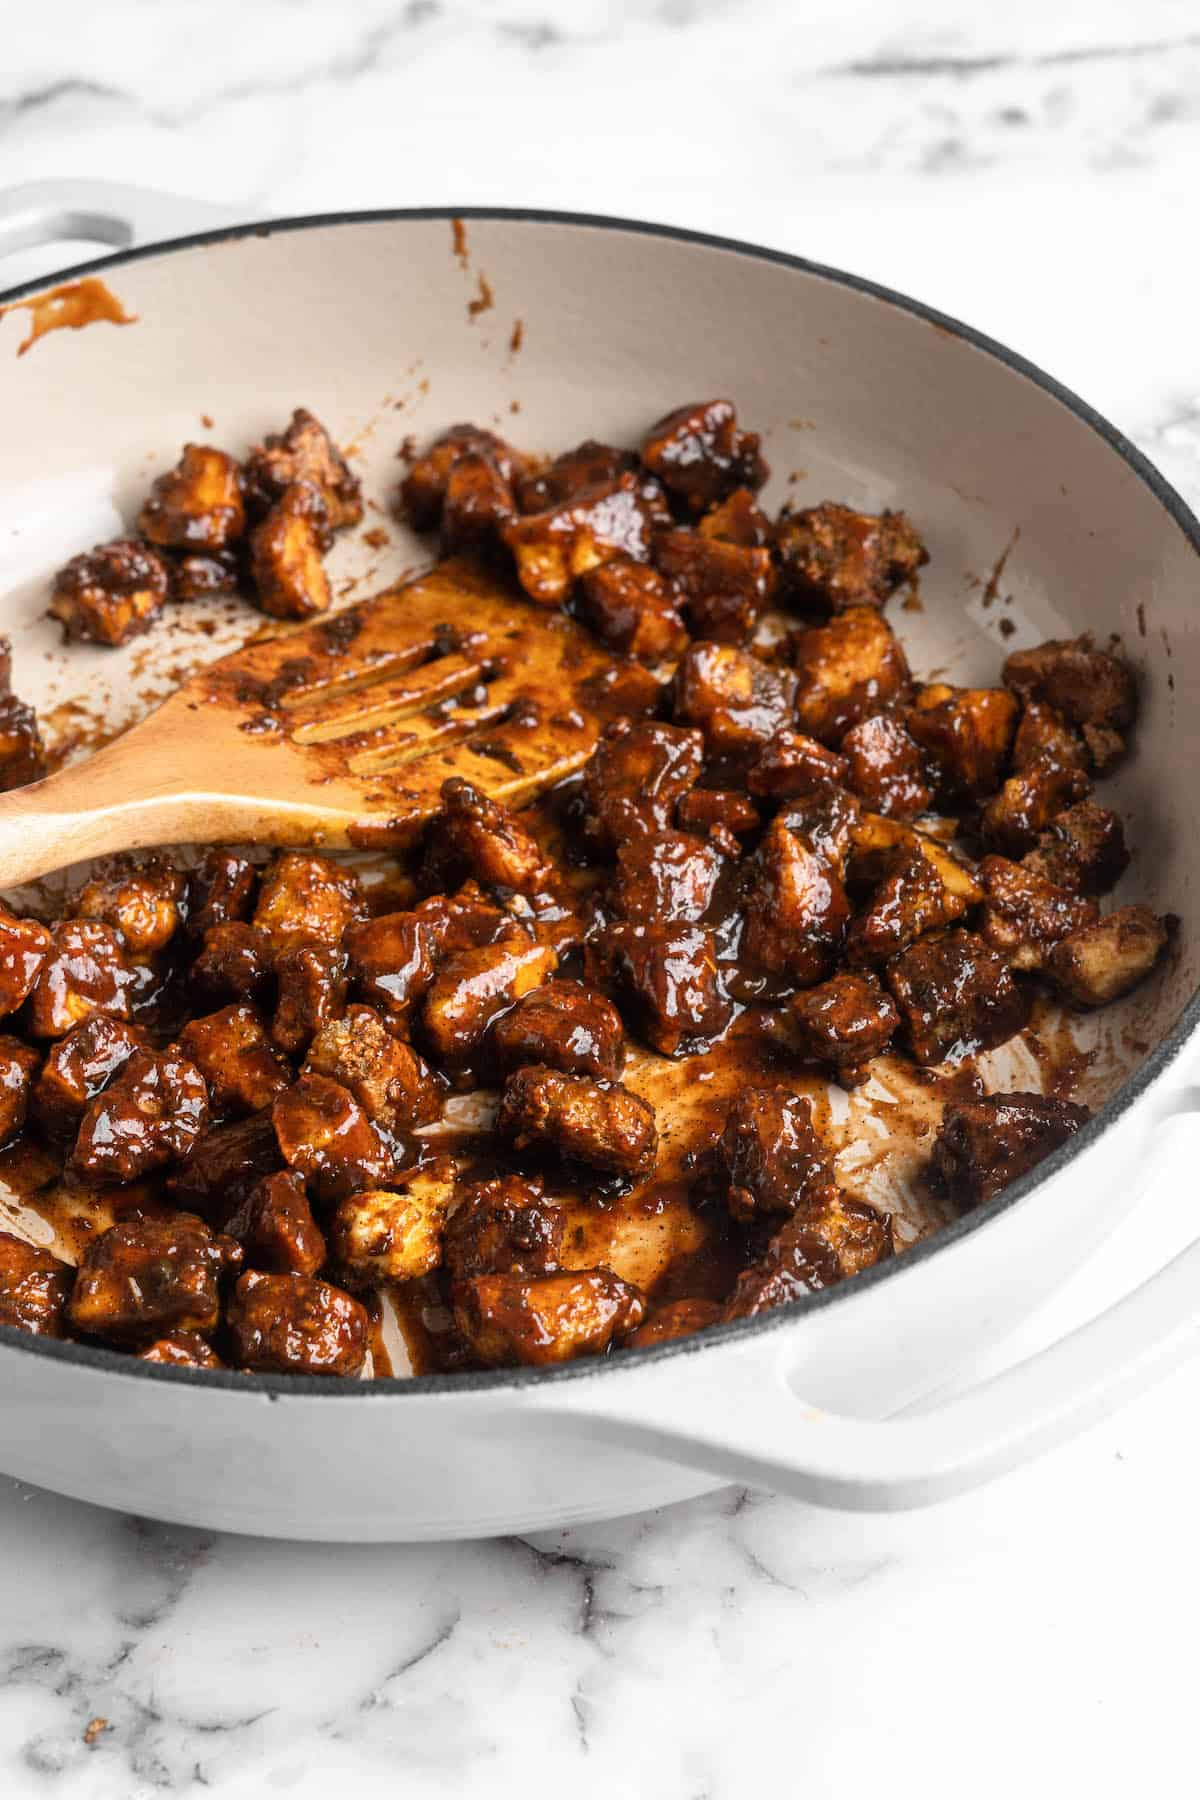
791	766
639	772
78	1067
967	735
286	550
313	981
476	836
109	594
148	1276
34	1288
984	1145
395	1233
504	1227
812	1251
221	890
797	911
701	455
151	1114
955	997
1013	819
585	466
667	982
18	1062
22	752
146	902
846	671
308	897
538	1320
236	961
1098	963
733	697
672	876
773	1156
25	947
197	505
327	1138
1087	686
674	1319
563	1025
1083	850
885	767
926	887
423	490
276	1228
553	549
835	558
231	1050
474	987
633	609
391	1083
1025	915
304	452
725	586
841	1023
599	1123
296	1325
226	1165
85	972
1045	738
181	1350
478	504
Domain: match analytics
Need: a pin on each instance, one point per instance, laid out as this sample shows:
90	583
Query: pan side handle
101	212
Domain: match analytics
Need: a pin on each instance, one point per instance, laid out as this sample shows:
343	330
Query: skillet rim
278	1387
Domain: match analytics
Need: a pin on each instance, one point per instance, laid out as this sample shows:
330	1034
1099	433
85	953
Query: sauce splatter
69	308
459	238
484	299
517	339
992	587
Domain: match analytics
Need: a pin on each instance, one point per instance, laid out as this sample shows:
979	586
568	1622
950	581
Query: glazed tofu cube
1013	819
720	809
773	1156
633	609
585	466
725	586
554	548
85	972
148	1276
1044	738
296	1325
886	768
236	960
276	1228
699	453
304	452
667	980
814	1250
1025	915
738	519
797	911
78	1067
675	1319
734	698
828	821
1098	963
24	949
109	594
231	1051
221	891
395	1233
327	1138
202	574
476	836
1083	850
791	766
474	987
313	984
504	1227
22	753
225	1167
394	957
671	876
423	490
967	734
925	887
846	671
563	1025
599	1123
197	505
955	997
538	1320
386	1076
834	557
841	1024
146	902
308	897
151	1114
1087	686
290	581
181	1350
478	504
984	1145
34	1288
18	1062
639	772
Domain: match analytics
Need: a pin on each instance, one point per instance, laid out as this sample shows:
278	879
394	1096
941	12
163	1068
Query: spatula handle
126	796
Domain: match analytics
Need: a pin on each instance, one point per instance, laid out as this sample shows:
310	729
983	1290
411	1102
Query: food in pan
276	1093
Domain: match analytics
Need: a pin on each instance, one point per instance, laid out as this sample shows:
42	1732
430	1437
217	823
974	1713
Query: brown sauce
70	307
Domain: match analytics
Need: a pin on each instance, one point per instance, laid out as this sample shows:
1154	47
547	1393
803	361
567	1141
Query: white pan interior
552	331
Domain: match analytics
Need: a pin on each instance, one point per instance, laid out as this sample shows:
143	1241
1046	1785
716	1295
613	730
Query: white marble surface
1030	169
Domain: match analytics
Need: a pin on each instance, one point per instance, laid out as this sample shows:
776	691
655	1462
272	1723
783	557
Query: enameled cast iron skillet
879	401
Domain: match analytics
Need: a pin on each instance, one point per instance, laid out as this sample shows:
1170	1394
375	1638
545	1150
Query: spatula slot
385	702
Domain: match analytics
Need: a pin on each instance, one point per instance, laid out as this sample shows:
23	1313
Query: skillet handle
743	1419
101	212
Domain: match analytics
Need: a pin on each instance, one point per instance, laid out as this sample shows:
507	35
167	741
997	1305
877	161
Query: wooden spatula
340	733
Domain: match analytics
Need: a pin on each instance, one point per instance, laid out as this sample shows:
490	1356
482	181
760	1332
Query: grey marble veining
1031	169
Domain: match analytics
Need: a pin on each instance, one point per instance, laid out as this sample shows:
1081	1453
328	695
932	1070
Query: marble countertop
1029	169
